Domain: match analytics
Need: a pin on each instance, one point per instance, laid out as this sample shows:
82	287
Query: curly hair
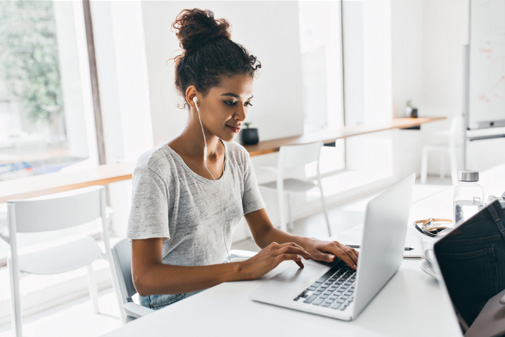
208	52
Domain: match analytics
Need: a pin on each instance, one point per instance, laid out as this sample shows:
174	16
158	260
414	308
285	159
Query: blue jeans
472	261
159	301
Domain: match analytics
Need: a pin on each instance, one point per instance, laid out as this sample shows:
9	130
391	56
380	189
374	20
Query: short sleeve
251	199
150	202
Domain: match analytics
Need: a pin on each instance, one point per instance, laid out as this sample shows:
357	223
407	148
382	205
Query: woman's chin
228	138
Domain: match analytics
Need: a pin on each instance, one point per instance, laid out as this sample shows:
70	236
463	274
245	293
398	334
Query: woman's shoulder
237	150
155	159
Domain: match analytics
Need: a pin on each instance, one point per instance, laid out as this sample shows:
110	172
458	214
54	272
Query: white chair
51	213
121	253
296	156
447	147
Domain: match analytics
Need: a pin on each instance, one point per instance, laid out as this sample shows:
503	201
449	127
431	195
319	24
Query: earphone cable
228	259
205	143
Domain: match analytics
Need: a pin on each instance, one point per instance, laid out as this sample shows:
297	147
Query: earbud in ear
195	99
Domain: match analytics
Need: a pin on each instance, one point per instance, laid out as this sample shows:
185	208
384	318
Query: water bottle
468	196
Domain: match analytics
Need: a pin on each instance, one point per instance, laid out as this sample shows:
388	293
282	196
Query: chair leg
93	292
115	283
454	166
280	200
424	166
290	214
325	209
17	325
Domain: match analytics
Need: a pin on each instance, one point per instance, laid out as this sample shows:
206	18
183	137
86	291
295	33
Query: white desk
411	304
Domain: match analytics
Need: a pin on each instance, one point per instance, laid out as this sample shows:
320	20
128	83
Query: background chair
296	156
121	253
447	147
56	212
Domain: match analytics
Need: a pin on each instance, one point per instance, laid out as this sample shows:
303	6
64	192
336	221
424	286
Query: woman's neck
191	143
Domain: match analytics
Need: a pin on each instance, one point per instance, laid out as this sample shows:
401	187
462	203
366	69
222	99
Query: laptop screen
471	259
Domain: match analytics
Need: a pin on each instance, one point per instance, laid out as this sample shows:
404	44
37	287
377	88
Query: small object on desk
432	226
428	268
357	247
410	110
249	136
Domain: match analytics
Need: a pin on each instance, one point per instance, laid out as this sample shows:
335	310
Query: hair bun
196	27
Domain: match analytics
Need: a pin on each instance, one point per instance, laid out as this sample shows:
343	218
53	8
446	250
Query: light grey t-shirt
195	216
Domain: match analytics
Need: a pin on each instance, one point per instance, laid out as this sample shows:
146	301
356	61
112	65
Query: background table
330	136
35	186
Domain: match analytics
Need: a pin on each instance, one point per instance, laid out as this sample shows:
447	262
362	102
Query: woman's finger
292	248
342	252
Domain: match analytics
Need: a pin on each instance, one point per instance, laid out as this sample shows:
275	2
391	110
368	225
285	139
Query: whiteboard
487	64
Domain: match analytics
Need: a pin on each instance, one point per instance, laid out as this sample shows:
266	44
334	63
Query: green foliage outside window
29	56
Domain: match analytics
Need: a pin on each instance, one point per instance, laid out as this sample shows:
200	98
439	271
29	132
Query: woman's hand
326	251
270	257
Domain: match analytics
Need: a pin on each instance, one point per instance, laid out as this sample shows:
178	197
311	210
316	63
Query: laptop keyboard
334	290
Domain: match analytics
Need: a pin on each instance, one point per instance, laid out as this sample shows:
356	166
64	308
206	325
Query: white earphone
195	100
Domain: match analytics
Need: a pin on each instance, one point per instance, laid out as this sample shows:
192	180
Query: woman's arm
151	276
264	233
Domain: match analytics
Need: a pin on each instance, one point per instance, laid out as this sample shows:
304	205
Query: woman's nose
240	113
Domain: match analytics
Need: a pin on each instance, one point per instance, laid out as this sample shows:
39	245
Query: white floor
76	318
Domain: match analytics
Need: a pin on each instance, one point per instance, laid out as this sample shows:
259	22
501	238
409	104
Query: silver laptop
336	290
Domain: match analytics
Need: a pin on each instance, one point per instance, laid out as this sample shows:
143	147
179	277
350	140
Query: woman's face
224	108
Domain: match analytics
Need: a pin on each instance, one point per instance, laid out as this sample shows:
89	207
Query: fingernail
332	257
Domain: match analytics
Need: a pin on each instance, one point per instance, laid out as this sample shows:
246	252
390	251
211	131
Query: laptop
336	290
469	263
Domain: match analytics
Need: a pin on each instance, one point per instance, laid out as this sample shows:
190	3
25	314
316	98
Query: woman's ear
191	94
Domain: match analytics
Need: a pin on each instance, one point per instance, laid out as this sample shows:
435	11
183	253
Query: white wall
407	46
124	92
122	74
367	81
407	24
445	30
268	30
427	54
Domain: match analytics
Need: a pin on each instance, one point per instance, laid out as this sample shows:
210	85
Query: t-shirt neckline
193	173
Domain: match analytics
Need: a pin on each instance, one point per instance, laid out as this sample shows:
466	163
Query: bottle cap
469	176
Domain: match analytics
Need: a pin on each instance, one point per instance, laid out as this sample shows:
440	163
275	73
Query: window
321	49
46	116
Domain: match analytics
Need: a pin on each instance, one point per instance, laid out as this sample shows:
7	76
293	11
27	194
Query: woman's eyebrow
235	95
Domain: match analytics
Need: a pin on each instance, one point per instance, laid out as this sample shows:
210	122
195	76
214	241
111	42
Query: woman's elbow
141	284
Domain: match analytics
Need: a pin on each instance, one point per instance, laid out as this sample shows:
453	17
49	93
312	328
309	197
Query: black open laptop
471	259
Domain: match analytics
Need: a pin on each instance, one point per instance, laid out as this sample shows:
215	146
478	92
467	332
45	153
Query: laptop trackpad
298	275
288	284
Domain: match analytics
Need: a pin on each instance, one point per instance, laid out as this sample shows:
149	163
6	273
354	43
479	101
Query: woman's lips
235	129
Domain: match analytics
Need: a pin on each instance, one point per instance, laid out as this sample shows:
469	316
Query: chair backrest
121	254
57	211
291	156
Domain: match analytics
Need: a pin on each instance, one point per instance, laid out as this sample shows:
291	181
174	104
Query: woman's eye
230	103
248	104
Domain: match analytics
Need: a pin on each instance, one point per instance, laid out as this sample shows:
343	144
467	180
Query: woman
190	194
